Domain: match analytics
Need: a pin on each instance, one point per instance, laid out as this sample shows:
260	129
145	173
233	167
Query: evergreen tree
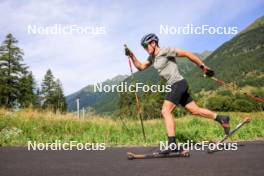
27	96
38	98
47	90
11	71
60	103
52	94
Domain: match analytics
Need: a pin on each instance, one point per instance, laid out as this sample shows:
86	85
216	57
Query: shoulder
169	51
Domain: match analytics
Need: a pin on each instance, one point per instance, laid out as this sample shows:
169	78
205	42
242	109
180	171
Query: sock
221	119
171	139
217	118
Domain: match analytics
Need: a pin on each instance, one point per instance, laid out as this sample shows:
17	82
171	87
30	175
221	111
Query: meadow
17	128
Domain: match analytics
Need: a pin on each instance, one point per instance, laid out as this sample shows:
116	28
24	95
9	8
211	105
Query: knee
165	112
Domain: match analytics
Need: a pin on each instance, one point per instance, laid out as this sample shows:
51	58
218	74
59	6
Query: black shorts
179	93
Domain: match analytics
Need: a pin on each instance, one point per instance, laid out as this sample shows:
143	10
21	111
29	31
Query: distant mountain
258	23
239	60
89	98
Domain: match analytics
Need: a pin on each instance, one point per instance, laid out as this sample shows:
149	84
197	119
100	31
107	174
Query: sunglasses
145	45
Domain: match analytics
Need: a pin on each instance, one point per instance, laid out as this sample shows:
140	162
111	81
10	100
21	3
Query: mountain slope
88	97
239	60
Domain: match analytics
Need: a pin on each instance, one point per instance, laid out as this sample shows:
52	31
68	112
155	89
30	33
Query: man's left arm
195	59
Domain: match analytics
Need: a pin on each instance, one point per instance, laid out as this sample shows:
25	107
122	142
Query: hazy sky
78	60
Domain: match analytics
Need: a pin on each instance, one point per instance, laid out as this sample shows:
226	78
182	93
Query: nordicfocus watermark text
190	145
60	29
125	87
59	145
190	29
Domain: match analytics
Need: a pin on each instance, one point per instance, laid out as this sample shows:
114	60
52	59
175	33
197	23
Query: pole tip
247	119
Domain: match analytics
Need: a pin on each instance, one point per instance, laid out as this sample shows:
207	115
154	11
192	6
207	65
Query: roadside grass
17	128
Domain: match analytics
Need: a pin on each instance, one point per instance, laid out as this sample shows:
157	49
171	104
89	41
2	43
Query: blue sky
79	60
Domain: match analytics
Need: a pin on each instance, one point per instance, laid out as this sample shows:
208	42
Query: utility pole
83	113
78	106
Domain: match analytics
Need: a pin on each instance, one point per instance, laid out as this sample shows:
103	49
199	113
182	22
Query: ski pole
236	89
137	100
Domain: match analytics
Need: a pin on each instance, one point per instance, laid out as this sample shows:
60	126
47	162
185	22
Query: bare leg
196	110
168	117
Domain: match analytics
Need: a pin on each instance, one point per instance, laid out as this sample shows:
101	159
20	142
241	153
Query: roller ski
160	154
183	154
228	133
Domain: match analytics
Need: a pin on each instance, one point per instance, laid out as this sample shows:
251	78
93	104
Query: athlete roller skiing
163	59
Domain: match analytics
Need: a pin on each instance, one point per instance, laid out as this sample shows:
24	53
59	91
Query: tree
27	96
11	71
47	90
37	103
60	103
220	103
52	94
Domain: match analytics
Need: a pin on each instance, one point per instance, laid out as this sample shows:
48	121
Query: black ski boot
179	150
172	148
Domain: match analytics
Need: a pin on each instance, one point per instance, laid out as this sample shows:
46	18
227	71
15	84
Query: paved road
248	161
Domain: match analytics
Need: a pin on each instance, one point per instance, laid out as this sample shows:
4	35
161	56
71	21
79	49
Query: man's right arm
140	66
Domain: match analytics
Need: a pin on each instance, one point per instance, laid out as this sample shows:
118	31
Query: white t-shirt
165	63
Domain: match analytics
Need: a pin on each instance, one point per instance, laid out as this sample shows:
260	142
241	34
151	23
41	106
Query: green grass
17	128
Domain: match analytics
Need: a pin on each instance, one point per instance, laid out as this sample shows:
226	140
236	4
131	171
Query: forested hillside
239	60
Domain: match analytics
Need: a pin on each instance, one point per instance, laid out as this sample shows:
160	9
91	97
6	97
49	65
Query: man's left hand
207	71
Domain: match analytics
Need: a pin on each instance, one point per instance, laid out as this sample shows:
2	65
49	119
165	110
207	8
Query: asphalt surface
248	160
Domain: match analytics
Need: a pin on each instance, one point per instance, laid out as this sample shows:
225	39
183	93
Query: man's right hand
128	52
140	66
